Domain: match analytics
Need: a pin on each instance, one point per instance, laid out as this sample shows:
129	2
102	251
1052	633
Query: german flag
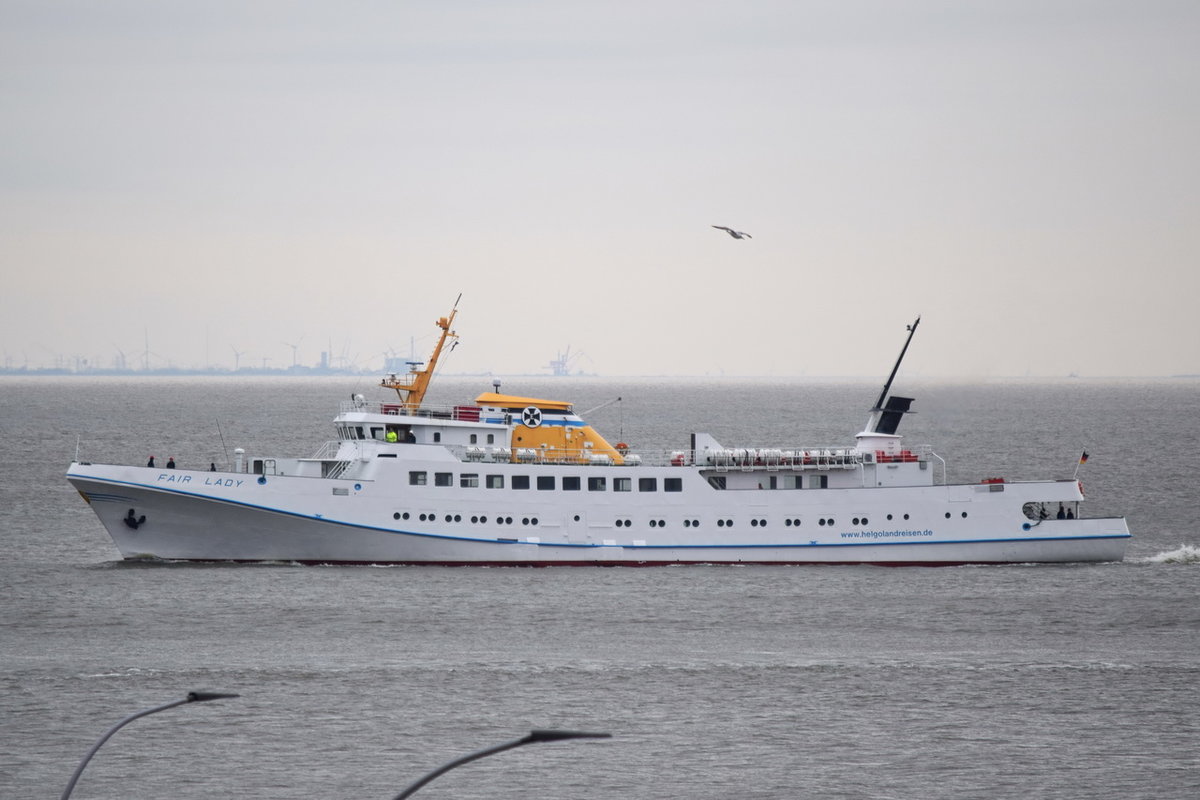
1083	458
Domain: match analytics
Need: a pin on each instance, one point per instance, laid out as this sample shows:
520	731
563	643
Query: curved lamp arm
534	736
192	697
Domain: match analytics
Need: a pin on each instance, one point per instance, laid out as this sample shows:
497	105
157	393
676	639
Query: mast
885	414
411	388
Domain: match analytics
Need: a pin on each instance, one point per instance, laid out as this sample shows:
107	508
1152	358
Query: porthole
396	515
947	515
753	523
525	520
720	523
662	523
404	515
577	518
821	521
964	515
787	523
855	520
474	520
483	519
906	516
653	523
889	517
533	521
865	522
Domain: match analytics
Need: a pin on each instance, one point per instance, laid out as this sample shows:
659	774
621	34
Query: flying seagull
733	233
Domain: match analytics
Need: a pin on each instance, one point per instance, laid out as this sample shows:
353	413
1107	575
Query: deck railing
450	412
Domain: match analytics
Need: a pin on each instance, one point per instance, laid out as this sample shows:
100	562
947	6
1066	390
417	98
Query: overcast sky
211	177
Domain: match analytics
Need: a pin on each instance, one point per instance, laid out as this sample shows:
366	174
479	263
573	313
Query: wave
1184	554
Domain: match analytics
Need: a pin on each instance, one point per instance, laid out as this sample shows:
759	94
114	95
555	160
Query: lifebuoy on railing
622	448
1080	486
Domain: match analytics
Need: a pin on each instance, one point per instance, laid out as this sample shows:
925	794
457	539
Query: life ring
1080	487
622	448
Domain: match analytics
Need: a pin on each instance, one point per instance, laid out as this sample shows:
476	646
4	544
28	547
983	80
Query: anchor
133	521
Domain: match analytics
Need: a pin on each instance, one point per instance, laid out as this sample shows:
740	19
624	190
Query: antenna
885	415
887	386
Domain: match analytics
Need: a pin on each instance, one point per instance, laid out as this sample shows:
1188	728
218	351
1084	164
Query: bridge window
416	479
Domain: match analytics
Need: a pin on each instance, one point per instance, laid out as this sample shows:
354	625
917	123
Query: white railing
723	459
450	412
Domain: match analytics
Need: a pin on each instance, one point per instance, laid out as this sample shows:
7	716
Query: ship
511	480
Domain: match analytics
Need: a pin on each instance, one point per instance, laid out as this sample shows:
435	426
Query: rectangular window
622	484
545	483
818	482
416	479
443	479
647	484
520	482
571	483
468	481
495	481
672	484
597	484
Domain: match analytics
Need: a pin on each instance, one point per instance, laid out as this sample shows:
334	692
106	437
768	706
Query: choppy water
777	682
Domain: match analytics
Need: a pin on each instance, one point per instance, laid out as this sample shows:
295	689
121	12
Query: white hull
207	516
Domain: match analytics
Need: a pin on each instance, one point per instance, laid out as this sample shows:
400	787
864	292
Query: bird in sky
733	233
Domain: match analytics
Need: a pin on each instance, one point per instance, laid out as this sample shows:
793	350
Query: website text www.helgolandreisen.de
885	534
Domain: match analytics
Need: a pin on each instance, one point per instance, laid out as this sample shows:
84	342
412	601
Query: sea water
1075	681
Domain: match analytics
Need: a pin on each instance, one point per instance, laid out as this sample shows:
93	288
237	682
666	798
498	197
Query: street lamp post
533	737
192	697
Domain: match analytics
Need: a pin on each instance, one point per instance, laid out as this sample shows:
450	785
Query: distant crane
563	361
